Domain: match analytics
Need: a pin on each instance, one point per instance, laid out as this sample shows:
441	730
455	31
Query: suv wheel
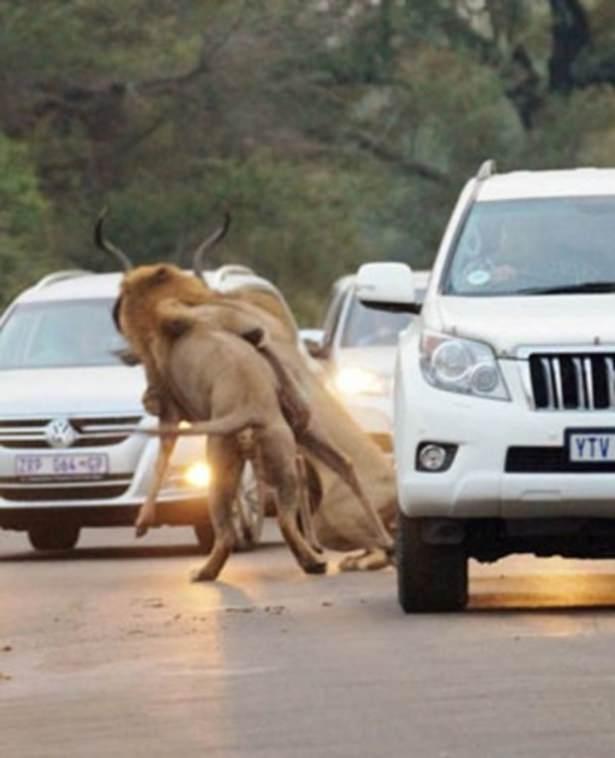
54	536
429	577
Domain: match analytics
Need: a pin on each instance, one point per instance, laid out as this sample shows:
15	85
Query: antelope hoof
318	567
142	524
141	530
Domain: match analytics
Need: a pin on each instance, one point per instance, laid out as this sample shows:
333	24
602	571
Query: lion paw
317	567
202	575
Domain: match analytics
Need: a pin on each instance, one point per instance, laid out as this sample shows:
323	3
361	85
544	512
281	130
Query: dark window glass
59	334
514	247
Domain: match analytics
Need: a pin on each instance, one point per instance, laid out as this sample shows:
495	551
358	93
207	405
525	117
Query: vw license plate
591	447
61	466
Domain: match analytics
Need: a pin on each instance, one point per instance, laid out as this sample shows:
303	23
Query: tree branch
370	144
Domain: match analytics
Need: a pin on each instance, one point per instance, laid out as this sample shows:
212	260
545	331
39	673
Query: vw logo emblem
59	433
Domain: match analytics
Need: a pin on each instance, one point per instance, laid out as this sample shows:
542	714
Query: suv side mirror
387	286
313	341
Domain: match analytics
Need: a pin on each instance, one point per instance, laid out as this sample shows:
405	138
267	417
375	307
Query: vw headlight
191	476
352	380
198	475
460	365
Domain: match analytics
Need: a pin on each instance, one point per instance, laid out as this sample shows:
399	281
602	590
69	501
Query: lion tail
232	423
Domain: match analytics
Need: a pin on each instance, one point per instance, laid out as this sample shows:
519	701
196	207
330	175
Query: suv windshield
60	334
535	246
368	326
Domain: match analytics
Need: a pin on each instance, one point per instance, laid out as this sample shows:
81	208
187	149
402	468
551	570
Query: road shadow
560	594
543	593
117	553
497	607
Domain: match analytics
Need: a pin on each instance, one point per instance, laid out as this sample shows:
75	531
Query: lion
146	317
212	373
337	521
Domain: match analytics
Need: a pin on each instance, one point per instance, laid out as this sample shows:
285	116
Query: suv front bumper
479	482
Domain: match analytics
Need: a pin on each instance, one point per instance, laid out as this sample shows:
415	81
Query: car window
60	334
332	315
509	247
369	326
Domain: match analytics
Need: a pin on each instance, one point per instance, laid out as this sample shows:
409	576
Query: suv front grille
95	431
550	460
573	381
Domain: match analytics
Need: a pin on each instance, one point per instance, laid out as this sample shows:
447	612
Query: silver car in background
69	456
356	348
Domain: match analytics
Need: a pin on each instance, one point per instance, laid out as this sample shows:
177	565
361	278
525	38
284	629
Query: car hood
71	391
380	360
507	323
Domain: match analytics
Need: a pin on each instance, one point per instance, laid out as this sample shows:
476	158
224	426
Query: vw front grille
106	489
94	431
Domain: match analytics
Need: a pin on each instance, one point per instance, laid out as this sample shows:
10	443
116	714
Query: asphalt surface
111	651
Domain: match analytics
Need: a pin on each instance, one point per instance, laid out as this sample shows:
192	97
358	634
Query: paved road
112	652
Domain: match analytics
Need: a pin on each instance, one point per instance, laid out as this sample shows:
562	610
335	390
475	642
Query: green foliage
336	131
22	219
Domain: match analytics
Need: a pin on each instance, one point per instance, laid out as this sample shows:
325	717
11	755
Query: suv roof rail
58	276
486	169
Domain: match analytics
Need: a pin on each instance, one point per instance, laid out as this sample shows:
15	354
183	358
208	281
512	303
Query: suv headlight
460	365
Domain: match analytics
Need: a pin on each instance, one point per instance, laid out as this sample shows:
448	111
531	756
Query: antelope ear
115	313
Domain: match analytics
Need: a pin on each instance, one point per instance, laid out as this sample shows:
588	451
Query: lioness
214	374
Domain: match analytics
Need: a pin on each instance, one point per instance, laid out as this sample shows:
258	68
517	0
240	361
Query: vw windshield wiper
565	289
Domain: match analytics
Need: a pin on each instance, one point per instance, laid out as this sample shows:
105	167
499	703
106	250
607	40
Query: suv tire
429	577
54	536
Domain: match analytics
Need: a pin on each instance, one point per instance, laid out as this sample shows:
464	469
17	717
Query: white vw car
505	384
68	404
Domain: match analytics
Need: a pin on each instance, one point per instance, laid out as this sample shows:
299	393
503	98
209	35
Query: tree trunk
570	34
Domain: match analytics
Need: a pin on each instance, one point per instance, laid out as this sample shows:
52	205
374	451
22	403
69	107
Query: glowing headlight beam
359	381
198	475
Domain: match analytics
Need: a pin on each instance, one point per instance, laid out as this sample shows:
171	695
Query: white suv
505	386
68	406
